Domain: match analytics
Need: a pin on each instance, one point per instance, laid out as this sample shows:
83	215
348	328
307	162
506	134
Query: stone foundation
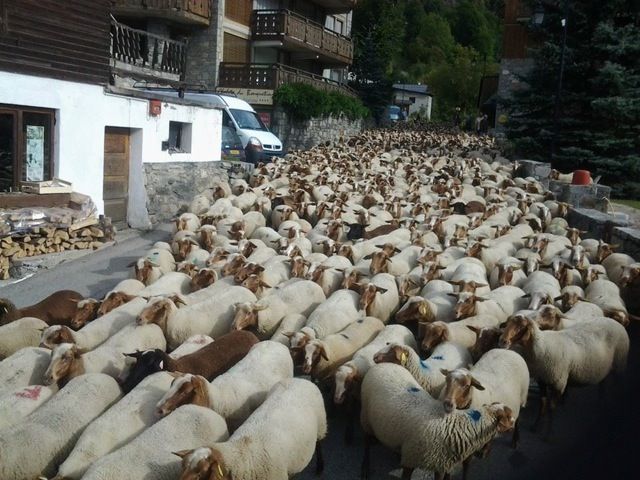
171	186
308	134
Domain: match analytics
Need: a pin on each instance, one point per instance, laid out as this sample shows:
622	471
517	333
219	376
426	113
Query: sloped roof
412	87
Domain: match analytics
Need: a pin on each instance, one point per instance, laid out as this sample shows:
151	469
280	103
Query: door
116	174
7	150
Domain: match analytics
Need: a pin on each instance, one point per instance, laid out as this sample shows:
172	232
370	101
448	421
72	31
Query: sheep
273	452
169	283
123	292
414	424
581	355
200	204
350	374
299	296
541	288
498	376
614	264
96	332
51	430
500	303
379	297
24	332
56	309
606	295
331	316
120	424
155	263
457	332
426	372
239	391
290	323
151	454
323	357
68	361
212	317
16	404
508	271
208	361
25	367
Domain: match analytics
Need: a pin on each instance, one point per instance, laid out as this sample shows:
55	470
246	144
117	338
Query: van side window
226	120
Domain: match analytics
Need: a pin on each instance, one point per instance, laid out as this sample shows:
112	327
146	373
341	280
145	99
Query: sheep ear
557	299
182	453
259	307
475	330
323	353
381	290
475	383
132	264
526	295
288	334
368	257
445	372
135	355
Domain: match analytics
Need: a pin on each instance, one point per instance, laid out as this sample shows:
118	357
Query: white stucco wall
82	113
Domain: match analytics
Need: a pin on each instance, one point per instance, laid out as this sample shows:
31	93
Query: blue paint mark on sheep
424	365
474	415
438	357
413	389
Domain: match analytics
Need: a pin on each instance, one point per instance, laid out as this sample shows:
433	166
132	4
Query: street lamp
538	19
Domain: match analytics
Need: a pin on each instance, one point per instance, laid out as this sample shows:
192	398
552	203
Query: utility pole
558	99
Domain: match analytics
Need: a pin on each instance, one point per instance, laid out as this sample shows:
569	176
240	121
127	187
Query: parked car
232	149
392	114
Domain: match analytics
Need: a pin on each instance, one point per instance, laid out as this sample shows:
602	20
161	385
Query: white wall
83	112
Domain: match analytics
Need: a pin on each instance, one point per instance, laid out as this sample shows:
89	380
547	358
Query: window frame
19	150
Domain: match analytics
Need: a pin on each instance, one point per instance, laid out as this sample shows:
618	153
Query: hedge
303	102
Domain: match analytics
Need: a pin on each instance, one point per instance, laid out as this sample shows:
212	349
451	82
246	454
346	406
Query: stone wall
304	135
171	186
204	52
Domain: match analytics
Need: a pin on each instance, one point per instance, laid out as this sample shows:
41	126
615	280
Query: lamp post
538	18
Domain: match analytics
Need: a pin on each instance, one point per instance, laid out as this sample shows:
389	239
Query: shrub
303	102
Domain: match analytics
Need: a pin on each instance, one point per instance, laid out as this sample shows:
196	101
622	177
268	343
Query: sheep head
55	335
379	262
487	338
458	392
203	278
313	352
185	389
246	270
159	310
393	353
247	314
518	330
604	250
368	296
299	267
112	301
143	270
254	283
466	305
346	379
201	463
415	309
434	334
630	274
86	311
66	363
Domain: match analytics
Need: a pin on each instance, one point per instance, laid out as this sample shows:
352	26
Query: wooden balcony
141	54
187	12
271	76
293	32
337	6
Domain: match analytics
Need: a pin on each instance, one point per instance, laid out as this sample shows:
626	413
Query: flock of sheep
404	275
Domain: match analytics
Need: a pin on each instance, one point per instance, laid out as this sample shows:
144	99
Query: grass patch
629	203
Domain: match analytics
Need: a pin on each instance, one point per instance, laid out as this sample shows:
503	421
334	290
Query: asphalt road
595	433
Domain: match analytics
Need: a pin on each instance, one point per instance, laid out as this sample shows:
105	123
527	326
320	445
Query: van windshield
248	120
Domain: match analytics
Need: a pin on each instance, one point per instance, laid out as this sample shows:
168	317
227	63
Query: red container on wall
581	177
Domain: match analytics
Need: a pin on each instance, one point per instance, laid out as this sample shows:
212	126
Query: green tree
471	28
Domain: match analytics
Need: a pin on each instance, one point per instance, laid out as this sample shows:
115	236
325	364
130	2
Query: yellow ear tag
403	359
423	309
220	474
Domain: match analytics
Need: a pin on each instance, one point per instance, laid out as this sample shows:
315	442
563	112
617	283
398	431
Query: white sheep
379	298
17	404
51	430
25	367
151	454
200	204
290	323
96	332
606	295
273	452
117	426
323	357
237	392
167	284
457	332
295	296
427	372
24	332
614	263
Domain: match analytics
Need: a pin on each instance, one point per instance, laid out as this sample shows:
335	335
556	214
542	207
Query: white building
413	99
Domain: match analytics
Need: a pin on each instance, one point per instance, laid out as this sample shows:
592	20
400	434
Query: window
248	120
239	11
412	99
179	138
26	145
339	27
236	49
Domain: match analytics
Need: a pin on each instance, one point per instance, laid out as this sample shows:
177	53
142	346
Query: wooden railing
144	49
284	24
271	76
200	8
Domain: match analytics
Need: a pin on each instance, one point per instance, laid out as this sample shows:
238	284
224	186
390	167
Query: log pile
48	239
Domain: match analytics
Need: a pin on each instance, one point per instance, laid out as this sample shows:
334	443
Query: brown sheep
58	308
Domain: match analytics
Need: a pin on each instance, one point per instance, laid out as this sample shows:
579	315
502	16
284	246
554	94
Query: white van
258	142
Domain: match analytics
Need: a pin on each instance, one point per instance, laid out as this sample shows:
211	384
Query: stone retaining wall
610	228
304	135
171	186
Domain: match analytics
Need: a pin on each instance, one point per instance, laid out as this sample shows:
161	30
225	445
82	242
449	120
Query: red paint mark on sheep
32	393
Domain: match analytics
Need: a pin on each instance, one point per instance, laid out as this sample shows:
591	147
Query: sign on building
253	96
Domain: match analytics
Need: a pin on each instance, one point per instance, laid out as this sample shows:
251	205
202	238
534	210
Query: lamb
606	295
414	423
52	429
24	332
298	296
96	332
331	316
293	405
212	317
349	375
150	454
323	357
427	372
208	361
581	355
25	367
457	332
239	391
56	309
68	361
498	376
16	404
116	427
